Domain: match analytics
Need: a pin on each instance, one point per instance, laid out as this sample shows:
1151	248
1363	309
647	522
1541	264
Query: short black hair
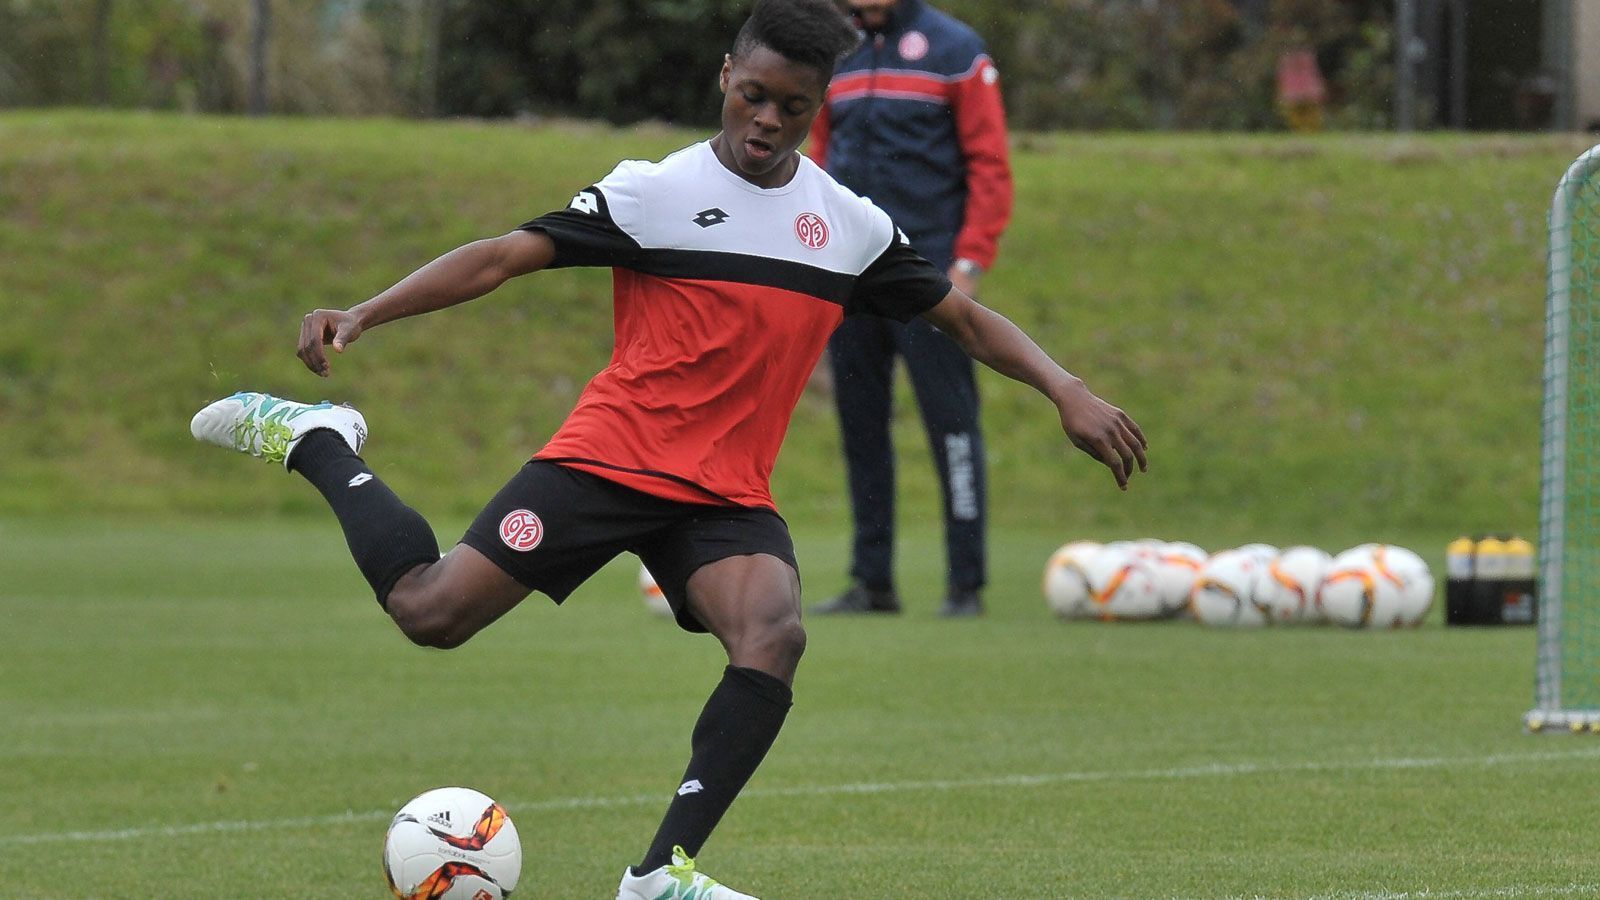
809	32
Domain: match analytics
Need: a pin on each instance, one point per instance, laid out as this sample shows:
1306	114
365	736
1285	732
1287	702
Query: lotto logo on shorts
521	530
811	230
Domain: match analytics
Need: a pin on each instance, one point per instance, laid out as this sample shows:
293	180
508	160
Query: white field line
1511	891
1185	773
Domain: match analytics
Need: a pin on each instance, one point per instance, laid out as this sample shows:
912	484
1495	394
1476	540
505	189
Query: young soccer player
734	259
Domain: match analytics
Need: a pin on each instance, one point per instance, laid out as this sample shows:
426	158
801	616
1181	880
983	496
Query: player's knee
785	640
794	640
425	623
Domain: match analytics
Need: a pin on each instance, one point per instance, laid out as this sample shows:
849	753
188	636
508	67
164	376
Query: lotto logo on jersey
586	202
811	230
521	530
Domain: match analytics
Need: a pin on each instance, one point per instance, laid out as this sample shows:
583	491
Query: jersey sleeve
981	130
597	228
900	284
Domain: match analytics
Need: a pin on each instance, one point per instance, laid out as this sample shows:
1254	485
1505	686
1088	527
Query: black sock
386	537
737	727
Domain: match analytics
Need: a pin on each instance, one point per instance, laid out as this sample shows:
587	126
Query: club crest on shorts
521	530
811	230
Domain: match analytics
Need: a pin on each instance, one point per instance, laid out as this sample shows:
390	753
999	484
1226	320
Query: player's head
775	79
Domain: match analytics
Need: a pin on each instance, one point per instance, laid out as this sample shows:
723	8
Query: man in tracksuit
913	121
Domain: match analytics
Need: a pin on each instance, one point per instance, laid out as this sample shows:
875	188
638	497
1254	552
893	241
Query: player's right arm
463	274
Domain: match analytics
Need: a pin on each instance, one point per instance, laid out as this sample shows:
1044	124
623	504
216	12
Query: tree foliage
1123	64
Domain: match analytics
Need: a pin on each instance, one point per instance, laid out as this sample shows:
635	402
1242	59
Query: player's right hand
1104	432
323	327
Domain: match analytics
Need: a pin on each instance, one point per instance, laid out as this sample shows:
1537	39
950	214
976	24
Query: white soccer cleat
678	881
269	427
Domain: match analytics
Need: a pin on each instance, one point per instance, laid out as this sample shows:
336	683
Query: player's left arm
1094	426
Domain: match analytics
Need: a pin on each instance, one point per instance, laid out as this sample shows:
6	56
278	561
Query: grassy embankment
1334	339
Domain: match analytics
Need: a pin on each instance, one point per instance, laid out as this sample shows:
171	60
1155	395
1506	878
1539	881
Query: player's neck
776	177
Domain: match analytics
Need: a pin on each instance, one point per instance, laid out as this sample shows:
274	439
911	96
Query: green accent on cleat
269	427
678	880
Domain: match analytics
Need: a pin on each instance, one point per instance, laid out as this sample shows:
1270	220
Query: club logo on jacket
521	530
811	230
913	46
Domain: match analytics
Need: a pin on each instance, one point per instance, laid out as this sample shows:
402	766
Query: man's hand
325	326
1102	431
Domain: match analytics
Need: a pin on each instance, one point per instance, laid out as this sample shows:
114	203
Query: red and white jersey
724	297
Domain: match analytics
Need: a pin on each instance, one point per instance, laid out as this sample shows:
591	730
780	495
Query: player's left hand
1103	431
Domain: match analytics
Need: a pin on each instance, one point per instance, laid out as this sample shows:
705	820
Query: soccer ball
452	843
654	599
1260	551
1287	586
1066	589
1223	592
1121	583
1415	578
1176	566
1360	592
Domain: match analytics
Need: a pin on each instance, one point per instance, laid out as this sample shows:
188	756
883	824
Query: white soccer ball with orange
1224	591
1176	565
1122	583
452	843
1360	592
654	599
1415	578
1066	587
1286	587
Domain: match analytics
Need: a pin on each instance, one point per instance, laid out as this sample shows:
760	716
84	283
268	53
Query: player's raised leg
752	604
436	602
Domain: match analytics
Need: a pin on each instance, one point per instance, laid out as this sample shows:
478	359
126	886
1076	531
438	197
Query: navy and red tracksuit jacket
913	120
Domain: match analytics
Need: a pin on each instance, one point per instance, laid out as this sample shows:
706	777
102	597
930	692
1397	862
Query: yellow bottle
1519	605
1458	579
1489	571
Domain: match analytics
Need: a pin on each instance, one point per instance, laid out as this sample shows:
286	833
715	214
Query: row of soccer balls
1370	586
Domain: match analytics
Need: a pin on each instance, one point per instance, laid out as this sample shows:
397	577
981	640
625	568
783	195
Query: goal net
1567	679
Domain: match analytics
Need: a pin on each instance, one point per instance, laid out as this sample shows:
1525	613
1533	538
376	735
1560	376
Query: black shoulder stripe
740	268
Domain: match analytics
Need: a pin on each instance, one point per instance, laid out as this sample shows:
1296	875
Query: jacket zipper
872	100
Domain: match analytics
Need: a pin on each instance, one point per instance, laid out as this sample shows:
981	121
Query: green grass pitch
218	710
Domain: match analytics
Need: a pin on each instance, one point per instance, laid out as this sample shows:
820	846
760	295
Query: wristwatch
968	268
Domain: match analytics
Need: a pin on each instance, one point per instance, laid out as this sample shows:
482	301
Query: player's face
768	104
871	14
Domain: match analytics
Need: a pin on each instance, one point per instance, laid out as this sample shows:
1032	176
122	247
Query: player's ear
826	79
727	71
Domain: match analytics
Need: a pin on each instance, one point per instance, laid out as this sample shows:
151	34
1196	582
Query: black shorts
551	527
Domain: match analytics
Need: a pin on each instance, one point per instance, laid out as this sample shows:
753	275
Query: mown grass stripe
1215	770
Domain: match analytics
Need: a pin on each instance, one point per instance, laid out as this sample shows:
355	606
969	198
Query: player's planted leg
752	604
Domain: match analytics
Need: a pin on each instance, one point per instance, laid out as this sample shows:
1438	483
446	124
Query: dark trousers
862	353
